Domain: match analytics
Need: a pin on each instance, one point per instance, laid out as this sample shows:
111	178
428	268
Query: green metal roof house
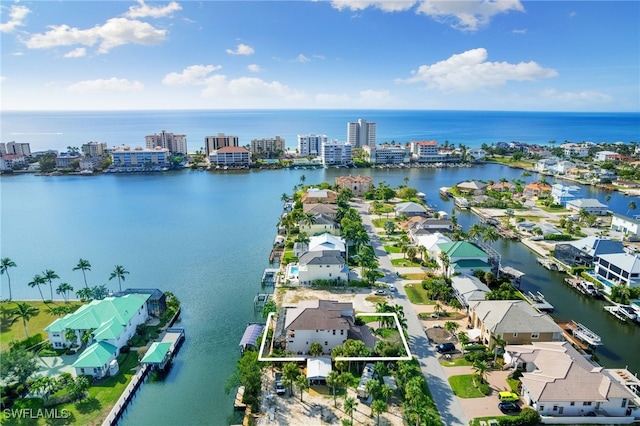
96	360
464	258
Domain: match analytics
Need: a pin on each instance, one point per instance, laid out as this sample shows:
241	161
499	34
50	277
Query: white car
391	287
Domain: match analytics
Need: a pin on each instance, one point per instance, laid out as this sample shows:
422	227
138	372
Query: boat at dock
583	286
548	263
538	301
461	203
445	192
623	312
583	333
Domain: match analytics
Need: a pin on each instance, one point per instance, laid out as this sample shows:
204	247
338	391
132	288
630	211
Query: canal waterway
206	237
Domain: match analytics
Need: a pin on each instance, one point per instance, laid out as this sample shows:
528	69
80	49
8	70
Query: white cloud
586	96
18	54
385	5
17	14
254	68
467	15
516	31
469	71
76	53
301	58
115	32
249	88
111	85
144	10
193	75
242	49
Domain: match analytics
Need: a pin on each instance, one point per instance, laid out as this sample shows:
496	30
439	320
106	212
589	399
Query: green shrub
28	342
558	237
484	388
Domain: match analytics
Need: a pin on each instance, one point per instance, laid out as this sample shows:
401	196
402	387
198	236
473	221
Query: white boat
586	335
538	301
588	288
547	263
628	311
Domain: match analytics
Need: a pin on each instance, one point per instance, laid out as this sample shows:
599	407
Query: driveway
55	365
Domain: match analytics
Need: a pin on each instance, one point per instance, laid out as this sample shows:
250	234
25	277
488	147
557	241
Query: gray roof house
468	289
516	321
585	251
410	209
591	206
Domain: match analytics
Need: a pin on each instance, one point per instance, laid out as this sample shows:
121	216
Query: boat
623	312
588	288
586	335
444	191
461	202
547	263
538	301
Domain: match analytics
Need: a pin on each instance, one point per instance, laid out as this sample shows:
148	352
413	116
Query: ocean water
57	130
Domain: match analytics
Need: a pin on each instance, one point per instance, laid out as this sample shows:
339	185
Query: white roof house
431	241
318	368
591	206
618	268
468	289
327	242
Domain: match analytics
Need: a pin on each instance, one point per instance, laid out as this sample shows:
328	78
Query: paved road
447	403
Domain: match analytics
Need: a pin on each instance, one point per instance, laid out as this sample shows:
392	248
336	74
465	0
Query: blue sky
445	55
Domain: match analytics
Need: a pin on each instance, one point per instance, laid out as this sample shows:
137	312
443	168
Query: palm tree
378	407
64	289
50	275
476	230
498	342
5	264
349	406
481	368
490	234
451	327
463	338
25	312
38	280
84	294
83	265
119	272
332	382
445	262
302	384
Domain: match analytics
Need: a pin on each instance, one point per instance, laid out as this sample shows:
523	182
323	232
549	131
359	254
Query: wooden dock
237	403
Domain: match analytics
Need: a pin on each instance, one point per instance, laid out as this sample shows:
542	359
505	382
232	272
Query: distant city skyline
503	55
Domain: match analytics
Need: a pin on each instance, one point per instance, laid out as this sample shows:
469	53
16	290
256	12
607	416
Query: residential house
563	193
111	321
575	150
618	268
545	228
430	241
96	360
562	166
502	187
477	154
329	210
321	224
536	189
156	301
602	156
419	226
558	381
468	289
462	257
358	185
471	187
322	242
410	209
626	225
627	183
319	196
545	165
11	161
590	205
515	321
321	265
586	251
327	322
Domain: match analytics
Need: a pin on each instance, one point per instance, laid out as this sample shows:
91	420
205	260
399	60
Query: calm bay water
206	237
57	130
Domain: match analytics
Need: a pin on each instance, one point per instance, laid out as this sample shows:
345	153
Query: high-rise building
310	144
94	149
267	146
174	143
214	143
361	133
15	148
336	153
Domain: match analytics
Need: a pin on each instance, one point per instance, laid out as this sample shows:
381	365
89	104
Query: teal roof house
462	257
110	322
97	360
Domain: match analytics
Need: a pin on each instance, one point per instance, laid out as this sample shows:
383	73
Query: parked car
509	407
508	396
392	287
380	292
280	389
445	347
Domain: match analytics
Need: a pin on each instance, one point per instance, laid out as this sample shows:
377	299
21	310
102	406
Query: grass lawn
459	362
417	295
392	249
414	276
404	263
463	386
35	325
513	384
379	223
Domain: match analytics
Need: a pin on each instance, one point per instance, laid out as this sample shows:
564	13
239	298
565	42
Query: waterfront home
561	167
602	156
563	193
430	241
629	226
98	360
329	210
320	224
319	265
586	251
590	205
428	152
11	161
112	320
624	183
576	150
536	189
124	157
234	156
516	321
321	242
558	381
618	268
471	187
319	196
545	165
468	289
462	257
65	160
421	226
327	322
358	185
410	209
477	153
546	228
156	301
502	187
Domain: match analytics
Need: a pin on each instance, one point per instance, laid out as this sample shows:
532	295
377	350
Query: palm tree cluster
419	408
